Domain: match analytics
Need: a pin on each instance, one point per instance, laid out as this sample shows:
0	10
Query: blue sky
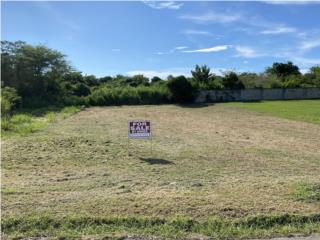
161	38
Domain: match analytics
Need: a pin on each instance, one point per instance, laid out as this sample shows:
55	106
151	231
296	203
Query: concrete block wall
256	94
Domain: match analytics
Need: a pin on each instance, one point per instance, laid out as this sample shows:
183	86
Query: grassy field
300	110
28	121
216	171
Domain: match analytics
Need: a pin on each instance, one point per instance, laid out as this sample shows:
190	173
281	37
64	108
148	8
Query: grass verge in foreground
300	110
27	121
180	227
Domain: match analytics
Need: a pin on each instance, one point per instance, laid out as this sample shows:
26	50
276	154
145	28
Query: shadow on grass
195	105
156	161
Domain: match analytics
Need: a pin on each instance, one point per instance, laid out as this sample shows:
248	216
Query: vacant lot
216	162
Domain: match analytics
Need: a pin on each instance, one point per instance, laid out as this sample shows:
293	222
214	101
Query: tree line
37	76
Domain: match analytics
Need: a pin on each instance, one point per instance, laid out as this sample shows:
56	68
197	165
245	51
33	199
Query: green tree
202	75
81	89
139	80
231	81
155	79
283	70
181	89
32	69
316	71
91	80
250	80
105	79
312	78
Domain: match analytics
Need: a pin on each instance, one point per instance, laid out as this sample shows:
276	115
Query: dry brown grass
205	161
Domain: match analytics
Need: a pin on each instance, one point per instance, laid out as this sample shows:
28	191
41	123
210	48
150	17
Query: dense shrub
81	89
231	81
249	80
293	81
181	89
76	101
129	96
283	70
155	79
9	100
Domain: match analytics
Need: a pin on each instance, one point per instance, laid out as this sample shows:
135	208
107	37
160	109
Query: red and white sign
139	129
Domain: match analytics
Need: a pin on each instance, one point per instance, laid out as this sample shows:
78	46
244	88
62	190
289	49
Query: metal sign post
140	129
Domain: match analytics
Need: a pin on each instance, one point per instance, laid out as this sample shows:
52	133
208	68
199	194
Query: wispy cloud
161	73
178	48
306	61
212	17
181	47
248	52
208	50
196	32
279	30
309	44
163	4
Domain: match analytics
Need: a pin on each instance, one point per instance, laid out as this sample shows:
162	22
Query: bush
153	95
293	81
231	81
81	89
10	100
76	101
5	106
181	89
128	96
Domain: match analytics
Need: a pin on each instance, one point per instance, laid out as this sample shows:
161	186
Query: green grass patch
306	192
46	225
7	191
26	121
300	110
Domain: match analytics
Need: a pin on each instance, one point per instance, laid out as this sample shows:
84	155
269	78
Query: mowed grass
300	110
210	171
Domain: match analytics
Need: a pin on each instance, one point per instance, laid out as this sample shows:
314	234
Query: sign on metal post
139	129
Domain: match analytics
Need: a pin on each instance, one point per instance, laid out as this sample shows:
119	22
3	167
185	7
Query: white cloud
178	48
208	50
306	61
279	30
163	4
162	73
212	17
310	44
220	71
197	32
304	70
174	72
244	51
181	47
